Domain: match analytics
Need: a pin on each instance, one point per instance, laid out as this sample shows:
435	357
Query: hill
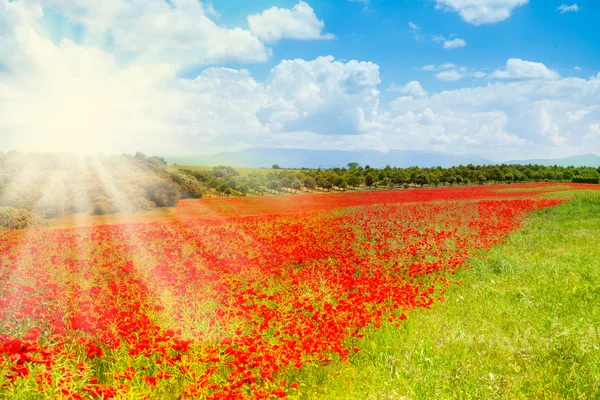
306	158
586	160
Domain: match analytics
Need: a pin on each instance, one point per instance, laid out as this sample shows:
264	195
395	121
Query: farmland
420	293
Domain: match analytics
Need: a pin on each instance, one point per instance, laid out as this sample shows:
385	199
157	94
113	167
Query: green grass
526	324
534	189
570	194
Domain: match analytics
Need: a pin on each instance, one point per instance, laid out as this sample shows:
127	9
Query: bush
101	208
19	218
586	179
164	194
189	185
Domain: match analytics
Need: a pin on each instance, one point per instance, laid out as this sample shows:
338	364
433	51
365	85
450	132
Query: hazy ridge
306	158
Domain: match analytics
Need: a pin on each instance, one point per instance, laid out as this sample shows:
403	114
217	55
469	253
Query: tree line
228	181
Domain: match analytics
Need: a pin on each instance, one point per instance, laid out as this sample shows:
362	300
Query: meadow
466	292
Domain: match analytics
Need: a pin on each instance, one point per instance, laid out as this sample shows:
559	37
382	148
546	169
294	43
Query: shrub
586	179
164	194
19	218
100	207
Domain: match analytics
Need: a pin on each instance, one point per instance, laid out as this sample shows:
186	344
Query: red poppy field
233	298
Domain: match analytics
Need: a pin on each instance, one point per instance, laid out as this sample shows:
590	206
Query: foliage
18	218
586	179
54	184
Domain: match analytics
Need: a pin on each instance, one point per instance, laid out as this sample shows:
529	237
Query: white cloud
593	133
451	75
578	115
576	68
92	102
478	12
446	66
412	88
323	96
300	22
180	31
448	43
549	129
565	8
452	72
454	43
519	69
549	117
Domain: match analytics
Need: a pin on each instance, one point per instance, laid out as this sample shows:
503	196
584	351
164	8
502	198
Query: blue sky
289	79
378	31
381	34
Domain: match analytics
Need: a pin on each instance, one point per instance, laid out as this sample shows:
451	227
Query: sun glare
76	114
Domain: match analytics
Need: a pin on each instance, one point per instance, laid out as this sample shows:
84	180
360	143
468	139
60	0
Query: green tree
400	179
343	184
495	174
353	180
567	175
309	182
422	179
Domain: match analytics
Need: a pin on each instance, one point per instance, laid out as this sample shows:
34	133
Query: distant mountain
299	158
586	160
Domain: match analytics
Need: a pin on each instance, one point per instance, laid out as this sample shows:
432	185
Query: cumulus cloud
451	75
412	88
520	69
478	12
180	30
550	116
323	96
454	43
300	22
563	8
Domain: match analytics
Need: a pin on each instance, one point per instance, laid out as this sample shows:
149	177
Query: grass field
550	187
525	324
